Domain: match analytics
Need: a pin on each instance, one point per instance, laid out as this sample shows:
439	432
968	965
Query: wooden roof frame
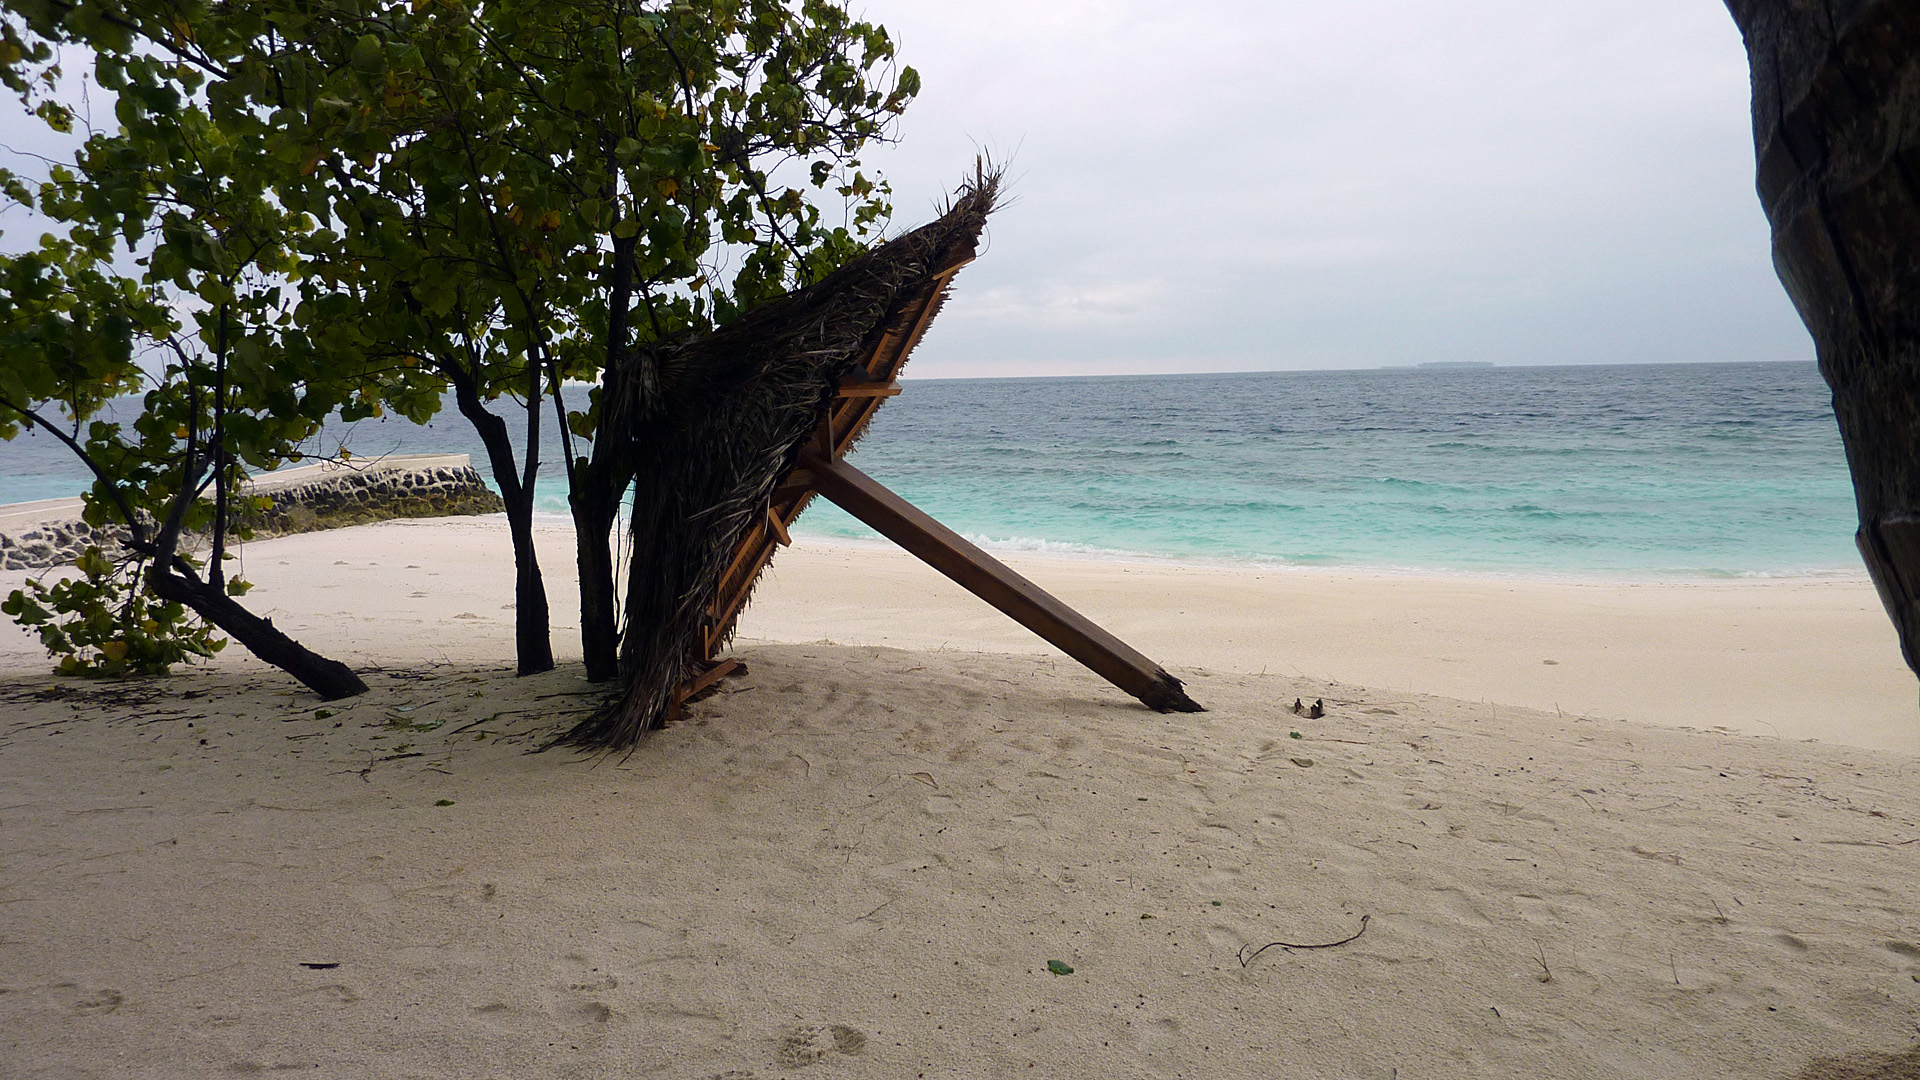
821	469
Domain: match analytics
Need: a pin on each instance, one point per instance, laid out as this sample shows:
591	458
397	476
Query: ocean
1660	472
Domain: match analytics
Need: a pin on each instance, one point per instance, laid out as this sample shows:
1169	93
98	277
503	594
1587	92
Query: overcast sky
1279	184
1267	185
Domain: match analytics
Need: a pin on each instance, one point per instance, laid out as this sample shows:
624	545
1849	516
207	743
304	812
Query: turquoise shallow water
1667	471
1670	471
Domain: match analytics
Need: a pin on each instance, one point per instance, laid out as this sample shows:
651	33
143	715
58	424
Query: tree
566	182
69	329
501	199
1836	138
207	324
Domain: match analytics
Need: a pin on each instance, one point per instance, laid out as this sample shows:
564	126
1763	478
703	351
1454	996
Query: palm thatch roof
726	418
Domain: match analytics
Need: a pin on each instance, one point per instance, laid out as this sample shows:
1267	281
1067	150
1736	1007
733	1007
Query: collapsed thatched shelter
732	433
730	413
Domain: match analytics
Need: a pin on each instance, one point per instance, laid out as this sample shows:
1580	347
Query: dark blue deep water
1691	471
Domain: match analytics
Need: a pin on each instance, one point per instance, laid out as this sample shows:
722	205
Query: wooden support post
993	581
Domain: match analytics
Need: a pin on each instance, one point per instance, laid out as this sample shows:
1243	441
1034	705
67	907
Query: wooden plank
851	416
699	684
993	581
751	555
867	389
779	527
719	670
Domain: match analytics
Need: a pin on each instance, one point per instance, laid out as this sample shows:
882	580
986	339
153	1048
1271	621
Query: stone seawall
55	543
38	536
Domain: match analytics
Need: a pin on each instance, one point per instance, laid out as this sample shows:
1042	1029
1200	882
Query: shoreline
1065	552
1811	658
1022	547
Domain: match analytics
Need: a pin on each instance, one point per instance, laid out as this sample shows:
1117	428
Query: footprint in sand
102	1002
1534	909
1459	907
1225	941
811	1043
335	993
1903	949
1160	1040
1218	879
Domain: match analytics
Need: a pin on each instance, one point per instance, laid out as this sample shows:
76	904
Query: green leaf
368	57
1059	967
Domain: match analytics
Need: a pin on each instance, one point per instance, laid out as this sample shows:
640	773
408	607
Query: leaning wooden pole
993	581
1837	139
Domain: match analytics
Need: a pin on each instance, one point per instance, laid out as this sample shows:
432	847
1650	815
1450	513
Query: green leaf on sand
1059	967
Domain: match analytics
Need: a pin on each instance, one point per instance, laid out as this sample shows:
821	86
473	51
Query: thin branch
134	528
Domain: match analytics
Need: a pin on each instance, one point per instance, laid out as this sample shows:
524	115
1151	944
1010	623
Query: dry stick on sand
1246	959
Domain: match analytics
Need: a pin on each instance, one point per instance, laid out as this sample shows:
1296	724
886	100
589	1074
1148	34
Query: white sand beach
859	859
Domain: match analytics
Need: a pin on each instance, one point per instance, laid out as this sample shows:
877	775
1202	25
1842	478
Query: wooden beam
720	670
853	389
779	527
993	581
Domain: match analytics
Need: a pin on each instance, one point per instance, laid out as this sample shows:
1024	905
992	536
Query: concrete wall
49	533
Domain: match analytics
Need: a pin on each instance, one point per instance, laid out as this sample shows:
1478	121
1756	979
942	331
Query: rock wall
55	543
330	500
347	498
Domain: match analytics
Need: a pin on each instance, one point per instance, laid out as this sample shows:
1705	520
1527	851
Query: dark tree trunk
1836	120
533	643
603	483
599	623
172	578
532	638
331	679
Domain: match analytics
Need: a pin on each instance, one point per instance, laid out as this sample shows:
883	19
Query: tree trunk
331	679
603	483
599	624
532	639
533	643
1837	139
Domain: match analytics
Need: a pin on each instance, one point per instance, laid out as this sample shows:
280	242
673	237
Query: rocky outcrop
304	500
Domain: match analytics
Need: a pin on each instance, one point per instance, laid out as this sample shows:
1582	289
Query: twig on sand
1722	919
1248	958
1546	973
474	724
